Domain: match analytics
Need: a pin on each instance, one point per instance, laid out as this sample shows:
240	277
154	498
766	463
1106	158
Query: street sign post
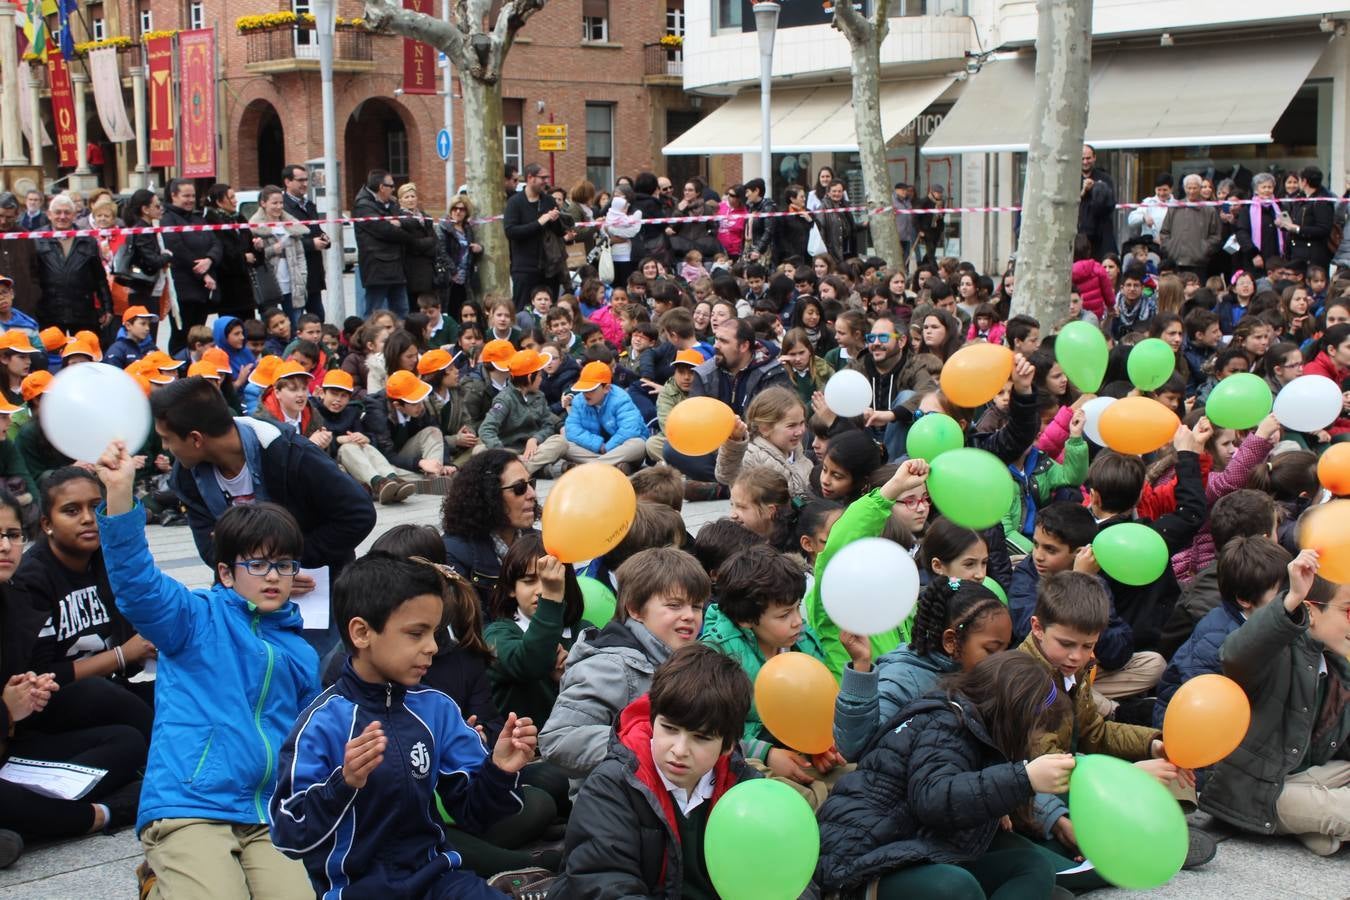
550	131
553	145
552	138
443	144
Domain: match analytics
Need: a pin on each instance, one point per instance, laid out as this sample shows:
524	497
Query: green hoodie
865	517
725	636
521	674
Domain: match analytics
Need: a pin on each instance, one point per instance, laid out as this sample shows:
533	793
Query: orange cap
137	312
140	367
204	368
498	353
79	348
404	385
158	359
218	358
52	338
593	375
291	369
265	372
338	380
155	376
91	341
143	382
34	384
527	362
433	361
7	408
16	340
688	358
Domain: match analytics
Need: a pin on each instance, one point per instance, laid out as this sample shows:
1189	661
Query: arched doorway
375	138
262	145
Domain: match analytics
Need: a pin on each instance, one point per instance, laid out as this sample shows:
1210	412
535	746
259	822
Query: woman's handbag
125	271
266	290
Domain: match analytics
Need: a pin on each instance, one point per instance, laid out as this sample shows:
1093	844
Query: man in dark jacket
75	291
931	226
195	257
1310	221
295	180
528	214
1097	206
762	231
18	259
651	240
380	246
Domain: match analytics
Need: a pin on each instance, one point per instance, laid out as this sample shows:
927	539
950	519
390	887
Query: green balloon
996	589
971	487
1150	364
761	842
1239	401
1080	350
932	435
598	601
1131	553
1126	822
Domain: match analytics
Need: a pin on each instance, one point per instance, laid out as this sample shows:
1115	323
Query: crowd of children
474	733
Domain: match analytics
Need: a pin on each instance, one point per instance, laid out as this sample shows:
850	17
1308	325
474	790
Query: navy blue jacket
1114	645
384	839
1199	655
475	560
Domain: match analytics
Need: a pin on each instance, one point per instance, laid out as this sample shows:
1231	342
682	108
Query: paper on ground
1084	866
314	605
64	781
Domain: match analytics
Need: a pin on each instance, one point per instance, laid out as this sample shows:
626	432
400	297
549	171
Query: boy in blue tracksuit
233	674
134	340
607	427
364	765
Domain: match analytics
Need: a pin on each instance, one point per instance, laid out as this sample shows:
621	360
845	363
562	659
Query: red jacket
1322	365
1093	284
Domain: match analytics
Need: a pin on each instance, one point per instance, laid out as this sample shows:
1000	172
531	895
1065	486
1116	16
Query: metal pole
552	175
448	114
326	20
766	24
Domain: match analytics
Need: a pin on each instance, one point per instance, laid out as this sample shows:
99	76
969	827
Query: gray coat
293	251
1191	235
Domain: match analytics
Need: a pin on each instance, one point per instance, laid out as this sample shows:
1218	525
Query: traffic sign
553	146
443	144
550	131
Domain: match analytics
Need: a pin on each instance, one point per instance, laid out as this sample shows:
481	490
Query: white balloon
1309	403
848	393
1092	416
90	405
870	586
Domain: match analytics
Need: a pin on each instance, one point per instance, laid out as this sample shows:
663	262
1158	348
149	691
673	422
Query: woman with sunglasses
490	503
463	250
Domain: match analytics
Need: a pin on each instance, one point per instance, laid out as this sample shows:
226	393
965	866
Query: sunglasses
879	338
519	488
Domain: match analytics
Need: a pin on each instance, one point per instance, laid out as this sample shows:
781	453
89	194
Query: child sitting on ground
1061	541
234	673
354	800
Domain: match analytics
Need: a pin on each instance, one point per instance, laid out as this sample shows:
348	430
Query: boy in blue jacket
606	428
234	672
131	344
364	765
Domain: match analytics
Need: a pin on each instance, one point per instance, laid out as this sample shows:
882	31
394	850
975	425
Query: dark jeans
1012	869
393	297
524	283
622	270
695	468
498	848
189	314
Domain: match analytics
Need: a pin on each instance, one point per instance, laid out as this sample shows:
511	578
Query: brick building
594	65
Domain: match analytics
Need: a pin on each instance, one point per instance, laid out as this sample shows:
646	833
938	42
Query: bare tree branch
846	19
385	16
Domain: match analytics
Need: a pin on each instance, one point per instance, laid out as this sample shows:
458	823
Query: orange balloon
1326	529
1137	425
1333	469
1206	720
699	425
588	512
976	373
795	696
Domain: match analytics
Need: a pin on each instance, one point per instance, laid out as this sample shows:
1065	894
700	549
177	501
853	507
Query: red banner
197	87
159	87
419	59
63	108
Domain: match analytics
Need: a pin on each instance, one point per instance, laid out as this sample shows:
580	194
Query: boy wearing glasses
234	673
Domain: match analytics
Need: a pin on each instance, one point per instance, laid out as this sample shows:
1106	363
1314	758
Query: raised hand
516	744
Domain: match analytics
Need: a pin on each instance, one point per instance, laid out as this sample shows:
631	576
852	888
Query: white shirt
239	490
688	801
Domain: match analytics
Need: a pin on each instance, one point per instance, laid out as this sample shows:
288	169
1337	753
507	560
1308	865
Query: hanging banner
63	108
108	99
159	88
196	72
26	117
419	59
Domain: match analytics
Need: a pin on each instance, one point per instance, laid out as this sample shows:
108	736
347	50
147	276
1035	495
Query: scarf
1143	311
1254	211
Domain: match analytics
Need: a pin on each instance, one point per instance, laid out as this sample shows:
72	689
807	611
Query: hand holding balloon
1302	571
1077	423
1022	375
910	474
1049	773
117	471
1269	429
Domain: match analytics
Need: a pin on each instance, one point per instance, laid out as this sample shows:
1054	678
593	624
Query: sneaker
405	490
1201	849
387	491
145	880
1321	844
523	884
699	491
123	805
11	847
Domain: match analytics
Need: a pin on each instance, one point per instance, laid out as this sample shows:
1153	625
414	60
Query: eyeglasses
913	503
880	338
387	184
519	488
286	568
14	536
1328	608
462	209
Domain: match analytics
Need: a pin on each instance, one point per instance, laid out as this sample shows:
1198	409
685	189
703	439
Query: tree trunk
483	162
1054	173
864	39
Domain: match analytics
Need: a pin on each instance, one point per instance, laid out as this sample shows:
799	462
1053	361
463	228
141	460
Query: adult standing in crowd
75	295
1258	232
147	251
1097	206
1190	235
529	213
760	240
694	235
234	290
280	243
463	251
195	257
932	226
419	261
18	259
295	179
1149	216
33	218
380	246
902	202
836	227
651	241
794	231
1309	223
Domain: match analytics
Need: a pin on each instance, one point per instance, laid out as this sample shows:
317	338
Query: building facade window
147	21
511	146
396	144
675	18
97	29
306	39
727	15
600	144
594	21
196	15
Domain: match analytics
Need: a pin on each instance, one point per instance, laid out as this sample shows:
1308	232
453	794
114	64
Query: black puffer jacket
74	285
930	788
187	247
380	246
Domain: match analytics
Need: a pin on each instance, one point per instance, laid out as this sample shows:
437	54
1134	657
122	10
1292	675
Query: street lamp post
448	115
766	24
325	20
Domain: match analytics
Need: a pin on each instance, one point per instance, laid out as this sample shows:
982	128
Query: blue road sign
443	144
